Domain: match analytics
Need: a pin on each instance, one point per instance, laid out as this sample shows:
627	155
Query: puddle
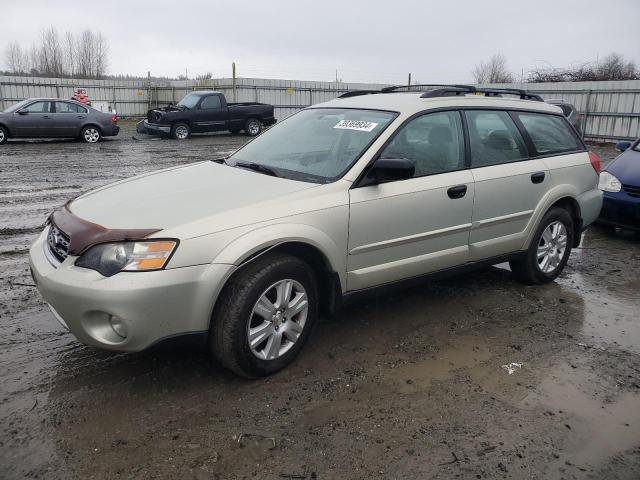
596	427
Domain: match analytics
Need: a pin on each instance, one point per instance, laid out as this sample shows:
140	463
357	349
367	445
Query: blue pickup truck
207	111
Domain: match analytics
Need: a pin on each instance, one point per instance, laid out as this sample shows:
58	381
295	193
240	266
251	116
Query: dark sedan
620	182
54	117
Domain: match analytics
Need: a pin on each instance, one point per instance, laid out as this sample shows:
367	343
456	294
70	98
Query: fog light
118	326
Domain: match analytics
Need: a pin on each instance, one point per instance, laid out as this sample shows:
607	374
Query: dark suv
54	117
570	112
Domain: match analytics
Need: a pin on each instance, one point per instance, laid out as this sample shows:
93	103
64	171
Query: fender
253	242
552	196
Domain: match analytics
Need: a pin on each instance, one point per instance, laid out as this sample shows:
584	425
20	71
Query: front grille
631	190
58	243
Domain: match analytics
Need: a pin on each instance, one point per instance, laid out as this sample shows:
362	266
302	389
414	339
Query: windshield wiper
221	160
257	167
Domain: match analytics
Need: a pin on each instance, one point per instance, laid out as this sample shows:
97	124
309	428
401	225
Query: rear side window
549	133
65	107
494	138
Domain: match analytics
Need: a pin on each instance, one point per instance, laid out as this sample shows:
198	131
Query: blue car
620	183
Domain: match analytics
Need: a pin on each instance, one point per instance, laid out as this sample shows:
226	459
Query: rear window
549	133
494	138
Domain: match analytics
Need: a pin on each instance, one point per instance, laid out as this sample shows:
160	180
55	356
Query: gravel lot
406	385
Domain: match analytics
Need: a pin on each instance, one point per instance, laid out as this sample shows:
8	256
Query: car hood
169	198
626	168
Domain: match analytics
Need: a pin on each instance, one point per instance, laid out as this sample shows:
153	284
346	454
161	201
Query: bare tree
101	53
70	53
50	56
493	71
17	60
611	67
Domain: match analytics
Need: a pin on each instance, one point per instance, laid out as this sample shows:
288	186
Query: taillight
595	162
114	118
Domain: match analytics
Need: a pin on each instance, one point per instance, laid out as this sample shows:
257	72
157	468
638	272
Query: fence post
1	97
310	96
586	114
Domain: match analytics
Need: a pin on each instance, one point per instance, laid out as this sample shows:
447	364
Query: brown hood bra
84	234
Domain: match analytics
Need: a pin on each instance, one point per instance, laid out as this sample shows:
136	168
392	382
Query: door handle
81	116
46	116
537	177
458	191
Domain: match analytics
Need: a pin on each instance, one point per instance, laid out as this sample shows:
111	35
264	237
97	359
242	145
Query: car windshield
17	106
190	101
636	147
316	145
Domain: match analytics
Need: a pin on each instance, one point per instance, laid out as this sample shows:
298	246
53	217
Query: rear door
410	227
35	121
509	183
68	118
209	116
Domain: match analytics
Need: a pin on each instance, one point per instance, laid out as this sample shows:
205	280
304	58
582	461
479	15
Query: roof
411	102
205	92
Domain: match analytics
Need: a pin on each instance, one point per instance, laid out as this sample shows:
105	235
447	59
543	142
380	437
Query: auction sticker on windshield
359	125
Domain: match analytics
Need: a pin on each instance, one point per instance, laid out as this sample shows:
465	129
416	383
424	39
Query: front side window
66	107
316	145
494	138
435	143
549	133
38	107
190	101
212	102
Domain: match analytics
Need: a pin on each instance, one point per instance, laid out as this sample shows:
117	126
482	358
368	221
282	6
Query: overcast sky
369	41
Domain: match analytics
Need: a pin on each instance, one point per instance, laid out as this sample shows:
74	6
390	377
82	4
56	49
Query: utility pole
233	75
149	88
336	75
409	81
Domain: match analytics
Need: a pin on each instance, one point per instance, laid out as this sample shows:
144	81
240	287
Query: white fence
610	110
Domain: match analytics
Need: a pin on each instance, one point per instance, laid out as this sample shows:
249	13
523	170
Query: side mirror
622	146
22	111
389	170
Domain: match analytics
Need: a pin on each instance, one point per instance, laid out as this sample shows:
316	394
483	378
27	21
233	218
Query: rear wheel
180	131
253	127
265	316
549	251
90	134
4	135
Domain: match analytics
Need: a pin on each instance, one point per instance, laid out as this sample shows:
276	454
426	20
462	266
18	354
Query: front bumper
621	210
152	305
156	129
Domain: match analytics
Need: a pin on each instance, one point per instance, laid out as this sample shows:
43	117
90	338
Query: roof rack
450	91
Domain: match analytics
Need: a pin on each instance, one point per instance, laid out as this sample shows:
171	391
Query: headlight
609	183
111	258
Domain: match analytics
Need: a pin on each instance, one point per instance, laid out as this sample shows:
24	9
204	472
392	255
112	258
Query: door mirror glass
389	170
622	146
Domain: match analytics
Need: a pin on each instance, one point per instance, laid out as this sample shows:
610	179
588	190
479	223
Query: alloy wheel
91	135
182	133
277	319
254	128
551	247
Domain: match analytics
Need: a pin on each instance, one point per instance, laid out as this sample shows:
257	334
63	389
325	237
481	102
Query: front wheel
90	134
265	316
253	127
4	135
549	251
180	131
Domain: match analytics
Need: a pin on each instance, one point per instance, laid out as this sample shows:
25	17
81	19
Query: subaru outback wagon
364	191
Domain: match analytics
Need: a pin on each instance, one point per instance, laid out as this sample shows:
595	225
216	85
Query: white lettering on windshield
358	125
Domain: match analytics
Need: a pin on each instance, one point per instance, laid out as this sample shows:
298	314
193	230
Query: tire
180	131
235	131
90	134
236	313
253	127
4	135
545	259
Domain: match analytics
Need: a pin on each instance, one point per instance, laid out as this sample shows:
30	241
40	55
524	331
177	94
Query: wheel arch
92	124
563	196
6	127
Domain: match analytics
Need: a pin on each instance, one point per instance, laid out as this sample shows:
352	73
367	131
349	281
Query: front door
35	120
406	228
509	184
209	115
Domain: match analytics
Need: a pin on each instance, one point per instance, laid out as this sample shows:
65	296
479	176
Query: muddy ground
406	385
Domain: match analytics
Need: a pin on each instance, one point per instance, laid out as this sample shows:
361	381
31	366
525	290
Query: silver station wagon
365	191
